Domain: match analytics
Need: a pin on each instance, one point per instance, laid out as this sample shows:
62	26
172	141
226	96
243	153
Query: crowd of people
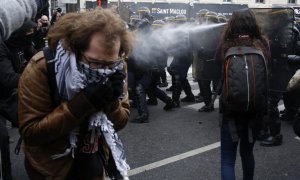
69	83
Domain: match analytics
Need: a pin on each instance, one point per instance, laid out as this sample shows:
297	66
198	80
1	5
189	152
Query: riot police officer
207	71
280	34
222	18
159	58
291	103
139	77
200	16
144	13
161	62
179	67
134	20
199	20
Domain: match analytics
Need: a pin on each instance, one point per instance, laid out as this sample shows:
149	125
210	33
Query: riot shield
205	40
277	25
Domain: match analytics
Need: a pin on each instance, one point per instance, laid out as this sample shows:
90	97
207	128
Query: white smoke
173	40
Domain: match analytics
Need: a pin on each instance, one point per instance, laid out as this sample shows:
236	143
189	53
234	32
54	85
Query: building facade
250	3
85	4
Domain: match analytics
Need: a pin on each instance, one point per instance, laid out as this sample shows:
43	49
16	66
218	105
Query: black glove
117	83
99	94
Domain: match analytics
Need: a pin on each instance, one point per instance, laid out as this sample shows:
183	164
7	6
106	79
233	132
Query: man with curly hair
75	138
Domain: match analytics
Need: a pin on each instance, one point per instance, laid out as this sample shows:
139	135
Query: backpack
245	87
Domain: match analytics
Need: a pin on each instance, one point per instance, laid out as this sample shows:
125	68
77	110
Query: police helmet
158	23
143	11
280	16
281	13
201	13
134	19
211	17
180	19
222	18
169	19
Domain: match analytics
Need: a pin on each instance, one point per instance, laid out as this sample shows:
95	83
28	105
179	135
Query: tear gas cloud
174	40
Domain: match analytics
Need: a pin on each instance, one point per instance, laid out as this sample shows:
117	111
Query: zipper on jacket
254	82
247	75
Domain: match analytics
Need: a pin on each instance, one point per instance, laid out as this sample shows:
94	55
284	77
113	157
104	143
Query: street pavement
184	144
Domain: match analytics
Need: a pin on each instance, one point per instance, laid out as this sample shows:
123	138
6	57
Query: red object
100	3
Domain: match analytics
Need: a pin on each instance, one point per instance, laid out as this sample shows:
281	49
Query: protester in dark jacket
14	53
14	13
242	30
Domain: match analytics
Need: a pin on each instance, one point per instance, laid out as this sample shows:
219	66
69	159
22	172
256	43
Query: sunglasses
101	64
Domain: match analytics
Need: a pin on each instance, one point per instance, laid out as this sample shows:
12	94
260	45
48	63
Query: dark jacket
39	37
183	55
9	75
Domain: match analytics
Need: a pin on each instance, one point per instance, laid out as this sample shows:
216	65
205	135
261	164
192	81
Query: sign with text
161	10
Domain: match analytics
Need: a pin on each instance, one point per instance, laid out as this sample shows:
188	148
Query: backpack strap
50	62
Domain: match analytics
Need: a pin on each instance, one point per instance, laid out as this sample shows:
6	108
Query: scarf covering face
71	80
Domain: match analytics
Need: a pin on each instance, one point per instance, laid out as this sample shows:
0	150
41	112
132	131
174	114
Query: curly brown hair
75	31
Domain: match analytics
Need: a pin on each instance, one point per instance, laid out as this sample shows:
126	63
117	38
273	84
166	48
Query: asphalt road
183	144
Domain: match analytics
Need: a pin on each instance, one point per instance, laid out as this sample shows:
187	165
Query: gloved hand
99	94
117	84
93	98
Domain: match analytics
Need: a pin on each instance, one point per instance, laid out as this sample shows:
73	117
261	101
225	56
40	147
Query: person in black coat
281	36
41	32
14	54
139	77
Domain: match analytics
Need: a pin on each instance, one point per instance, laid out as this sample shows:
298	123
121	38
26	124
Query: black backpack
245	86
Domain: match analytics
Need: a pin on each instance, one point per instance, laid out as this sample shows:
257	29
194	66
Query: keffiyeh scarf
70	80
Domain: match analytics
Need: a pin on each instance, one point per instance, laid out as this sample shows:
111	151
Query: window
260	1
292	1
